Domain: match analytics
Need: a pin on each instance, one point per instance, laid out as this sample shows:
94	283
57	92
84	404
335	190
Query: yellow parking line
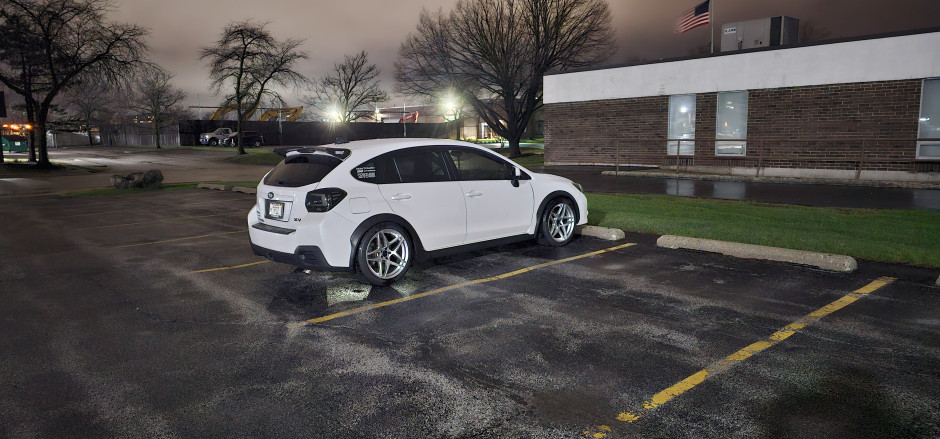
157	221
741	355
460	285
232	267
179	239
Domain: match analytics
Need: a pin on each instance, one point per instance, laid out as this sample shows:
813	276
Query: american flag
697	16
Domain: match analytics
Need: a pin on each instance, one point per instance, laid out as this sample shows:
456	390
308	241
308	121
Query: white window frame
731	143
680	147
932	142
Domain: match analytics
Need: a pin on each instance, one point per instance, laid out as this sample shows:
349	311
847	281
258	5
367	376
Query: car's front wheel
213	141
556	227
384	255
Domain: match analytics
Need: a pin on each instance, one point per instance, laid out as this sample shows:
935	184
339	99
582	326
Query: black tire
384	255
556	226
213	141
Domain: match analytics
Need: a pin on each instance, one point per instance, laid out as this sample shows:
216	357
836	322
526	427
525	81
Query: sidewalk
780	191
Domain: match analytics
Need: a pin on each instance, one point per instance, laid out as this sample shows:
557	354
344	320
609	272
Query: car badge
270	195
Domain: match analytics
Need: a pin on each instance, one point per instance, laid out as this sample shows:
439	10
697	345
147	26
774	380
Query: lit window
731	132
681	137
928	126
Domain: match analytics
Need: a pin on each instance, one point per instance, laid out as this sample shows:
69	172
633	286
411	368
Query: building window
928	129
681	137
731	131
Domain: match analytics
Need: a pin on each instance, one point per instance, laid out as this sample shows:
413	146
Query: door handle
397	197
473	194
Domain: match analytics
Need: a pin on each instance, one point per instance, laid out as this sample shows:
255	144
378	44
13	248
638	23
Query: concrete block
601	232
245	190
213	186
826	261
938	282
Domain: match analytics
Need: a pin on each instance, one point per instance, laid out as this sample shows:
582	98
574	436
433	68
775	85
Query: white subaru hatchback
373	207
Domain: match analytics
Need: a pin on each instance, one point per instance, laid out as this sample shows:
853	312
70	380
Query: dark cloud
331	29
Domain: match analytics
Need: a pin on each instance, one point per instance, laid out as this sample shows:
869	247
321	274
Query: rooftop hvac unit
765	32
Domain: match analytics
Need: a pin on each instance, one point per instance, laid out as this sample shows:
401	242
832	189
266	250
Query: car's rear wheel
384	255
556	227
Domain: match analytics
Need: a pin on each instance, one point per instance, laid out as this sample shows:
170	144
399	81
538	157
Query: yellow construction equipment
222	111
292	113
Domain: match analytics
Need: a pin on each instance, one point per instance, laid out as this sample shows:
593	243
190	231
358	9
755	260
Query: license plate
276	210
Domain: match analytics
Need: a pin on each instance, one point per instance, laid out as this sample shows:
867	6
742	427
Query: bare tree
495	52
48	44
90	100
351	85
155	96
247	61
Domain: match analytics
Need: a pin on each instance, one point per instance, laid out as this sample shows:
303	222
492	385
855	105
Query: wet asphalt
823	195
112	328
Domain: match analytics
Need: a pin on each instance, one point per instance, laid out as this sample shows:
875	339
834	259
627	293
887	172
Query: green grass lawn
531	157
907	236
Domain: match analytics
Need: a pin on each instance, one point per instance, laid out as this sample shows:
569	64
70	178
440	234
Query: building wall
840	126
844	110
873	60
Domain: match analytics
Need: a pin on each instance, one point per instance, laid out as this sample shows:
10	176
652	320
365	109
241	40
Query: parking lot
147	315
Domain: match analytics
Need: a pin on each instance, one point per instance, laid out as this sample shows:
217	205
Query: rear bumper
306	257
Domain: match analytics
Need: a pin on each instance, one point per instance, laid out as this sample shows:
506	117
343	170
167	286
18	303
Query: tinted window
418	165
380	170
473	165
301	170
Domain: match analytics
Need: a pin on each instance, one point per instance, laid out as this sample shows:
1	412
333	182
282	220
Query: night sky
179	28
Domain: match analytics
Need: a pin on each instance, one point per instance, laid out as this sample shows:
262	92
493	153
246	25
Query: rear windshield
301	170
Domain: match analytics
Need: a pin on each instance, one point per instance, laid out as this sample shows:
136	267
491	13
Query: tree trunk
514	150
41	147
91	141
31	118
238	135
156	133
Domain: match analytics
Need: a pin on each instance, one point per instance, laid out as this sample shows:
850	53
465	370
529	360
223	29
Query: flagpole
711	22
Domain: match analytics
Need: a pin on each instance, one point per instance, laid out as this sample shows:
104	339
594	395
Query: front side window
731	131
473	165
928	127
681	136
419	165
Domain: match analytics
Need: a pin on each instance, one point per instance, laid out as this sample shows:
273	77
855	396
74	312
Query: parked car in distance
374	207
251	138
220	135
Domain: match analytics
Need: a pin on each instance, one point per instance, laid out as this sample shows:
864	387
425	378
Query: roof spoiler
340	153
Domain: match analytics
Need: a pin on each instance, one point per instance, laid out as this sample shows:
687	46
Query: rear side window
419	165
380	170
301	170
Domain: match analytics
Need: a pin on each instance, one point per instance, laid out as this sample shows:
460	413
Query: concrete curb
245	190
938	282
217	187
841	263
601	232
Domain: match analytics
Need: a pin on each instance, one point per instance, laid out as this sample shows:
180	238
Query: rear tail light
322	200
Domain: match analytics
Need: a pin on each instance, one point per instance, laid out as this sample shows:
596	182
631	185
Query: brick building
866	108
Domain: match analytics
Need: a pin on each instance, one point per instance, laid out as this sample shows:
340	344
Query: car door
496	208
427	197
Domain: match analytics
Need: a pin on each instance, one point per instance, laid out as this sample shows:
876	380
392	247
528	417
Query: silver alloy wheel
561	222
387	254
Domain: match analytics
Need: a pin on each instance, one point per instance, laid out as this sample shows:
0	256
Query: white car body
440	216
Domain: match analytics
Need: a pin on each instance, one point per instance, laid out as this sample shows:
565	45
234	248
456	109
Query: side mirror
516	173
